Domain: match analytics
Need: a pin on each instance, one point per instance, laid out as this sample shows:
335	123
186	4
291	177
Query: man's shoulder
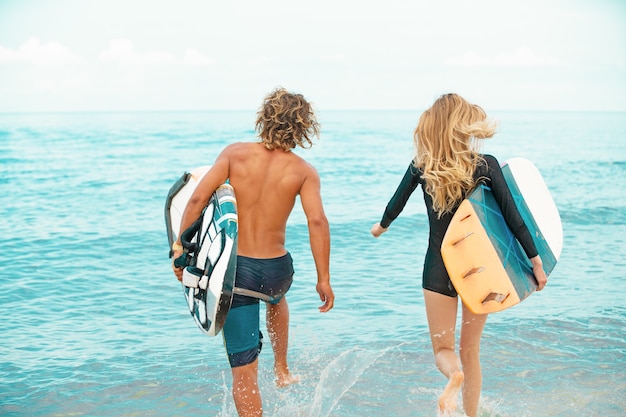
239	150
239	146
303	164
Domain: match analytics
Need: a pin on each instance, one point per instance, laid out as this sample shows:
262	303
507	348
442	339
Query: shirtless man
266	177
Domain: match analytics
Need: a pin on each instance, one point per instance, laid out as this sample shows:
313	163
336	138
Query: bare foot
447	400
284	379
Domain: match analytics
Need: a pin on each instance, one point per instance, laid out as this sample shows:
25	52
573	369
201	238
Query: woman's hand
540	274
378	230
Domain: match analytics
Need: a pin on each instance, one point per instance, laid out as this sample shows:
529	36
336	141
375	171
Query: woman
448	167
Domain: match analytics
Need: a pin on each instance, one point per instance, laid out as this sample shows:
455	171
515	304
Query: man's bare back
267	183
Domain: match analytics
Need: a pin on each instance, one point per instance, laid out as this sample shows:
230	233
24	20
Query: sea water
93	322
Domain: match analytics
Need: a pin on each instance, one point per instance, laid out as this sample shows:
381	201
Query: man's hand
178	271
326	295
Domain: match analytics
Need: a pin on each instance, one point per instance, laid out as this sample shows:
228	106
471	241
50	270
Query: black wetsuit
435	277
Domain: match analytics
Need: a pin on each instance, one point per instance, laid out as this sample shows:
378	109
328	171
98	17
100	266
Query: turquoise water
94	322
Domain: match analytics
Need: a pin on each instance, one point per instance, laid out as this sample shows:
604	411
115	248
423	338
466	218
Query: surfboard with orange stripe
485	262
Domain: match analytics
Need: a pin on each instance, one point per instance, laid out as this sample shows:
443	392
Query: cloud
52	67
33	51
522	57
62	82
53	53
123	52
195	58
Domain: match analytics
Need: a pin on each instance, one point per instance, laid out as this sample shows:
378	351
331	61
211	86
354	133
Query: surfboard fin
495	296
473	271
458	241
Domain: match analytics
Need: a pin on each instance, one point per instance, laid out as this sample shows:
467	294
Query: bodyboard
210	246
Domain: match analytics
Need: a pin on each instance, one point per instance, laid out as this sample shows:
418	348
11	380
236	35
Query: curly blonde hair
447	149
285	120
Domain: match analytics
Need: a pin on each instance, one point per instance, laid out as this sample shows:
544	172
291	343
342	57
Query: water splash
319	400
338	377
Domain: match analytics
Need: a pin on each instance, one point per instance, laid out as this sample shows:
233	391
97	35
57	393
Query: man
266	177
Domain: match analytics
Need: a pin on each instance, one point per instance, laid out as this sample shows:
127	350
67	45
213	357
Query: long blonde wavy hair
447	149
286	120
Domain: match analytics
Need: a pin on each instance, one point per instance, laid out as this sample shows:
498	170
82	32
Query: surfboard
485	262
210	246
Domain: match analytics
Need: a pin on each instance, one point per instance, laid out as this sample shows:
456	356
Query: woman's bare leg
441	312
277	318
469	350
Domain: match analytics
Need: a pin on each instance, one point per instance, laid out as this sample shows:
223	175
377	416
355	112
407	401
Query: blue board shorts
241	332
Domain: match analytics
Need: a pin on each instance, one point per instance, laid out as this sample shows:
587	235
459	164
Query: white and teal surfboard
210	244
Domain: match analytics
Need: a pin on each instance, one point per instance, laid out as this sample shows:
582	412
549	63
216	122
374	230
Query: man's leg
246	390
243	344
277	318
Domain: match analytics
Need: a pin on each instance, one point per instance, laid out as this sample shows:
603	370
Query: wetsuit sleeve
401	196
504	198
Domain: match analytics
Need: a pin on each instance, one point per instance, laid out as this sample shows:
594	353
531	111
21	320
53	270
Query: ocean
95	324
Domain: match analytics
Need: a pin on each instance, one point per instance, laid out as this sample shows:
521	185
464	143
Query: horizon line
10	112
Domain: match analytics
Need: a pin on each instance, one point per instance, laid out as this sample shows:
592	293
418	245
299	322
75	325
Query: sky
179	55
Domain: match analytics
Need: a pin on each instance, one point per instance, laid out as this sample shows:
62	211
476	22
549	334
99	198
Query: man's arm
215	177
319	236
